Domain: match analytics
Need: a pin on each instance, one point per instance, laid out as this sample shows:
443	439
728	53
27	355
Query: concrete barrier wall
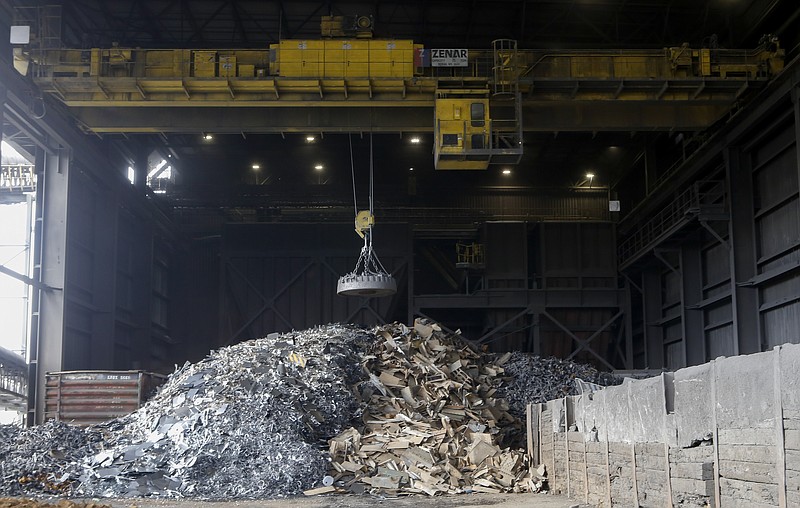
722	434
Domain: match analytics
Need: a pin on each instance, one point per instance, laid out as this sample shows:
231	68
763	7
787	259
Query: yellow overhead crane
477	96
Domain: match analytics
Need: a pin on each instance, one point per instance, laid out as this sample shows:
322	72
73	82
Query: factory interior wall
711	255
253	279
727	430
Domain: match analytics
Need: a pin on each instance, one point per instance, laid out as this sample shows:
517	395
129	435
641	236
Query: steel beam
48	353
538	116
653	332
519	299
692	293
746	322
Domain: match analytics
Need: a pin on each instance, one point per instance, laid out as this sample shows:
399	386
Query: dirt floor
341	501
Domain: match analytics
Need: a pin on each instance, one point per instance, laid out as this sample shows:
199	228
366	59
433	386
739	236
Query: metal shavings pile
243	423
30	457
533	379
249	421
30	503
254	420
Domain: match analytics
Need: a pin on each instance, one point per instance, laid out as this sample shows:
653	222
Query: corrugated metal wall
773	160
279	277
746	256
117	310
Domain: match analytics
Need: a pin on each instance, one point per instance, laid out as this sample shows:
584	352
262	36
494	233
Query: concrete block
748	471
618	425
793	480
791	439
596	471
575	437
651	462
749	491
576	476
745	391
652	449
692	403
596	459
748	453
692	470
652	500
793	460
592	447
747	436
647	409
696	454
790	376
589	413
619	460
576	458
556	408
619	448
734	502
681	499
791	423
696	487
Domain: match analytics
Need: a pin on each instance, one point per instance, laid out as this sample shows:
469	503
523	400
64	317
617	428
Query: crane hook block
364	221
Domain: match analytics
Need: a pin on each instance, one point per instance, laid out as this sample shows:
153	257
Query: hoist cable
353	173
371	187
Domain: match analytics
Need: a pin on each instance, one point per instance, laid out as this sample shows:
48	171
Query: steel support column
628	323
691	294
47	353
796	104
104	282
746	329
653	332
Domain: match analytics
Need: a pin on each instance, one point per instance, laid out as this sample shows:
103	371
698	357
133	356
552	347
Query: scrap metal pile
30	503
396	410
432	423
532	379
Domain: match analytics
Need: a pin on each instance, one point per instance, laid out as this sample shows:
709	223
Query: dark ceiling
551	159
442	23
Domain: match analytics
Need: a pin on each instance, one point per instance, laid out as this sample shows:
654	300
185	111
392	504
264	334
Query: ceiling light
318	167
256	166
415	140
589	175
208	137
411	169
310	138
506	171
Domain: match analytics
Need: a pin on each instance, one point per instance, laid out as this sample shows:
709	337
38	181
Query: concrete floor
345	501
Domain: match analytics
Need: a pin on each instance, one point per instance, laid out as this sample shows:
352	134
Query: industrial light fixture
415	140
208	137
589	175
310	138
256	167
318	167
506	171
411	169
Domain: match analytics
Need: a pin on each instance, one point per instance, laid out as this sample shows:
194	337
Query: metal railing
703	195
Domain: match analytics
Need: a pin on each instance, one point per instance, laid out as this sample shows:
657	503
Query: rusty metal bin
93	396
